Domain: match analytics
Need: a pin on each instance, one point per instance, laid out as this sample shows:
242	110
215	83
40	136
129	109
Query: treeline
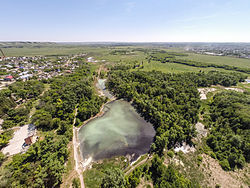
229	137
171	58
119	52
44	163
169	101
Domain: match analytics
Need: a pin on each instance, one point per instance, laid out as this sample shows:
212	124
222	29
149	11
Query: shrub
76	183
170	154
225	165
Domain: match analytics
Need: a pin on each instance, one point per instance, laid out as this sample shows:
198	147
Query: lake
120	131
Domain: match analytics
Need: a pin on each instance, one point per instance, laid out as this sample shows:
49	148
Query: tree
76	183
42	119
114	178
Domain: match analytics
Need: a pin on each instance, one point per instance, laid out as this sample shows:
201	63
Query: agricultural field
220	60
176	68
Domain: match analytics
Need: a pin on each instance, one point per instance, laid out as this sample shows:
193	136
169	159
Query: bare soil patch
215	175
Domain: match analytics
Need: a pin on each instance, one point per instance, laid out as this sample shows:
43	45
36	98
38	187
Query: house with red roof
8	78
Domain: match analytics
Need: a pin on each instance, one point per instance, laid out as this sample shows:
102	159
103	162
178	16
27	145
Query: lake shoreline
120	131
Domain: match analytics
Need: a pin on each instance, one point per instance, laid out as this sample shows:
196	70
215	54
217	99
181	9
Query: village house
8	78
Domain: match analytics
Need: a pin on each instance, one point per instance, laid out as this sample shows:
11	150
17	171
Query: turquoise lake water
120	131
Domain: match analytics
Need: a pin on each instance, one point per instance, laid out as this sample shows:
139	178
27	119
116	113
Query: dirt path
76	144
140	163
78	161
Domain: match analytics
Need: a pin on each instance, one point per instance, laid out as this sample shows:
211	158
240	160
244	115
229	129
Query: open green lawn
220	60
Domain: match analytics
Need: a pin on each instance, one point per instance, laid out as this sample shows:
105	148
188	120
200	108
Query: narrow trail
76	144
141	162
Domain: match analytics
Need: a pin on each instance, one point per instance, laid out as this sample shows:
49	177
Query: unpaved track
140	163
76	144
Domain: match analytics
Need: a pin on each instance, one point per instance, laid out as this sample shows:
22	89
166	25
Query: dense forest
44	163
6	102
171	58
169	101
19	92
230	129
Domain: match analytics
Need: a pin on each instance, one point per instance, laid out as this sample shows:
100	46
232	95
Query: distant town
37	67
232	50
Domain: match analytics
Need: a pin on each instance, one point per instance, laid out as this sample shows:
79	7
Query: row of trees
229	137
171	58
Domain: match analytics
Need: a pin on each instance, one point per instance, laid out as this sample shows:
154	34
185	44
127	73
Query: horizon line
124	41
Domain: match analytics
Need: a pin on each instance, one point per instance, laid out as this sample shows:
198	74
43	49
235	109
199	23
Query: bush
225	165
76	183
2	158
170	154
212	154
199	158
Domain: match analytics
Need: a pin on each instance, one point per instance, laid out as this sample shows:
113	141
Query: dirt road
76	144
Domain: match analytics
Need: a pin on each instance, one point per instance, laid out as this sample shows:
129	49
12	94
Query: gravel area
16	143
204	91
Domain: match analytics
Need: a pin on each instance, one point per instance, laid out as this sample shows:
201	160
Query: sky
125	20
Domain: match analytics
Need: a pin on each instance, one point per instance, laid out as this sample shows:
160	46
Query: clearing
16	143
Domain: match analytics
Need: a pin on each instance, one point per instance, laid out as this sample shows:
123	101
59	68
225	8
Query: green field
220	60
177	68
27	51
133	56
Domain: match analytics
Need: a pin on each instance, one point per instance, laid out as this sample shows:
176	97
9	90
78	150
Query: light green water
101	85
120	131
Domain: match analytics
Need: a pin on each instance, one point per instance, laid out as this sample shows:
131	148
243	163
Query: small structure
28	140
8	78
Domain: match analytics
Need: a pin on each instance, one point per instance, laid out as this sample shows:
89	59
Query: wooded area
44	163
